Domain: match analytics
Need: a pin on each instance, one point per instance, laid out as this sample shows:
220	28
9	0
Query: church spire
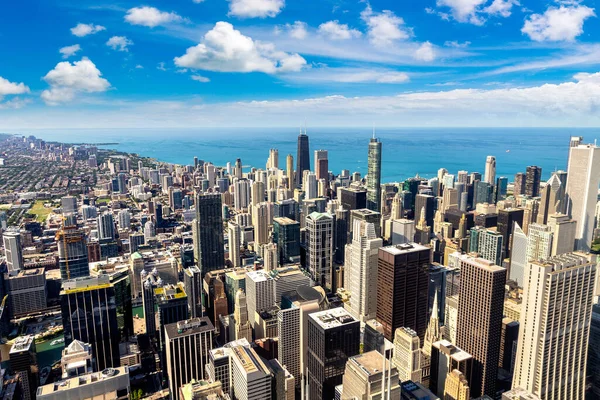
433	332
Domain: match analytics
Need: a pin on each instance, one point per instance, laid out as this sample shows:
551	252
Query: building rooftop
451	350
404	248
82	380
189	327
369	363
84	284
332	318
258	276
249	359
170	292
285	221
364	211
22	343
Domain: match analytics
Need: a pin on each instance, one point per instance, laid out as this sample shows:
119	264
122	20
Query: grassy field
40	211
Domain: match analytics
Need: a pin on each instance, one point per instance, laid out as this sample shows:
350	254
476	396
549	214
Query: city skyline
270	62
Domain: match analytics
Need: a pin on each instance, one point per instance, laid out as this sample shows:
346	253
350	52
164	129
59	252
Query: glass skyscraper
374	176
303	158
208	238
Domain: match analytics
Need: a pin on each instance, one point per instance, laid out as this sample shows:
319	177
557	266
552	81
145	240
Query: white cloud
564	23
456	44
349	75
14	103
8	88
200	78
297	30
81	30
161	66
425	52
226	49
151	17
66	80
68	51
336	31
120	43
255	8
197	1
475	12
502	8
139	66
384	27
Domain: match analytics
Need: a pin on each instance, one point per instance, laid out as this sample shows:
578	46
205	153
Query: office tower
333	337
448	181
582	188
124	219
519	185
13	251
68	204
260	221
487	243
342	219
480	308
490	170
270	256
445	358
88	212
553	199
367	376
242	193
26	290
290	171
319	232
257	194
171	306
507	219
282	381
208	242
187	345
234	234
352	198
250	377
122	183
290	349
518	259
192	282
112	383
158	214
106	226
288	279
273	161
403	231
407	355
23	362
259	293
374	175
176	199
456	386
402	282
482	193
500	189
360	271
539	244
302	158
136	239
558	292
149	232
533	177
150	282
98	328
243	329
593	362
564	230
321	164
425	204
286	234
309	186
238	169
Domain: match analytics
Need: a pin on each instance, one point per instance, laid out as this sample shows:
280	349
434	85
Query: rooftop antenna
373	130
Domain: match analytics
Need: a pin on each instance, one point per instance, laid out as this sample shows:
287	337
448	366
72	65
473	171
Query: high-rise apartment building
582	191
555	326
480	312
13	250
259	293
319	232
286	234
487	243
564	230
533	177
106	226
208	242
490	170
97	326
302	158
519	185
402	284
333	337
360	271
374	176
321	164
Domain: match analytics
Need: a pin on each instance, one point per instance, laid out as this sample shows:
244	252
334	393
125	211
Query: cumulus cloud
502	8
384	27
67	80
562	23
120	43
226	49
68	51
81	30
255	8
297	30
336	31
151	17
425	52
200	78
475	12
8	88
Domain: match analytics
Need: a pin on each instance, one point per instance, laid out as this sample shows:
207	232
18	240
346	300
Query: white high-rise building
250	377
407	355
555	326
149	231
13	250
124	219
240	314
518	255
490	170
235	241
360	271
259	293
403	231
319	230
582	191
241	195
539	244
309	186
564	229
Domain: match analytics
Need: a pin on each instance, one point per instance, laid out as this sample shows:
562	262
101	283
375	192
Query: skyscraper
250	377
360	271
407	355
480	311
532	181
259	293
402	283
553	199
507	219
319	231
192	281
290	171
106	226
89	314
208	241
333	337
13	250
321	164
555	326
23	362
490	170
367	376
582	191
374	176
72	252
234	234
286	234
519	185
302	158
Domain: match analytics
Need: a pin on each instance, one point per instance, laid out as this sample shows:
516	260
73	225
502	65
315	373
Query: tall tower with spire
302	158
433	332
374	175
242	325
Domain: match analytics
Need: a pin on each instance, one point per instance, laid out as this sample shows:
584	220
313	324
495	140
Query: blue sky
188	63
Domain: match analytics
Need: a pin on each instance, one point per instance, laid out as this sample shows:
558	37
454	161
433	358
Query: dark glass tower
286	234
89	314
374	176
208	238
302	158
72	253
532	181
